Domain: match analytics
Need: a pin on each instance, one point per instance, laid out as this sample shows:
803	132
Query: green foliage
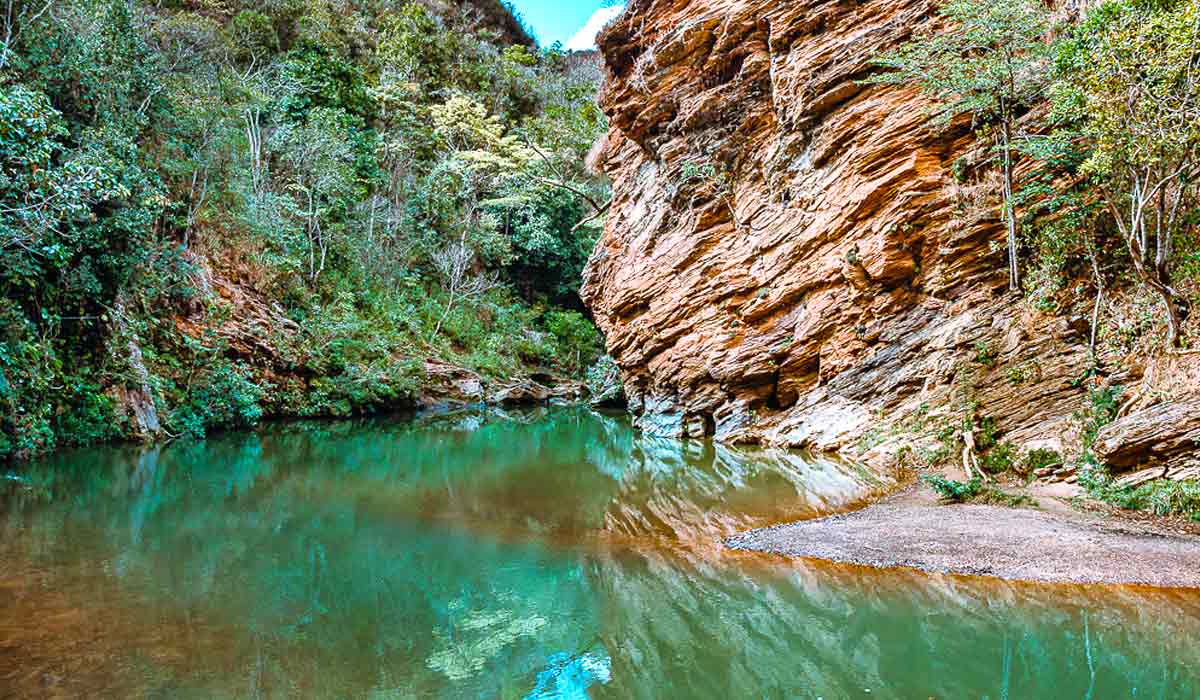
547	258
1137	89
313	77
1127	99
413	47
1101	410
87	416
1160	497
975	491
576	340
1022	373
991	61
226	397
323	159
252	36
701	174
1001	458
984	354
1040	458
954	491
991	495
604	382
44	402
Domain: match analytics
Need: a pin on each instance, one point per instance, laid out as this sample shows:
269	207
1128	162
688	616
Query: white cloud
585	39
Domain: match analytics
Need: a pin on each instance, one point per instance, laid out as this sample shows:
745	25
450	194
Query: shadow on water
543	554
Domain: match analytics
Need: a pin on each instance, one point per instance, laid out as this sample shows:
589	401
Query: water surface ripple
551	554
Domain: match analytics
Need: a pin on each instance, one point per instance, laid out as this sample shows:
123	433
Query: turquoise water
553	554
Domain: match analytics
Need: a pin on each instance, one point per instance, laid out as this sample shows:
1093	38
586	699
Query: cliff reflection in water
545	554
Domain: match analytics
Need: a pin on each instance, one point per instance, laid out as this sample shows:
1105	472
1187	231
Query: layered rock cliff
789	257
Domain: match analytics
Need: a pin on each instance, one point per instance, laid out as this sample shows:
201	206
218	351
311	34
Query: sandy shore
1056	544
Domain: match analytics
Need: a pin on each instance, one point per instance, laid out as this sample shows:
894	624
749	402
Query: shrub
604	381
358	390
986	434
984	354
88	418
974	490
954	491
1101	410
226	398
1040	458
576	340
1000	458
1160	497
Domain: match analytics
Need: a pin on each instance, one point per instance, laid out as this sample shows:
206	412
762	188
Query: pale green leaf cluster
983	59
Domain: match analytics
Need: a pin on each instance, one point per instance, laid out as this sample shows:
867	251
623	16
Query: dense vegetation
1103	116
1091	135
236	208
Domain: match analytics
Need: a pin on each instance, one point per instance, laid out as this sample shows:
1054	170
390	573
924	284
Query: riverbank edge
1053	543
452	389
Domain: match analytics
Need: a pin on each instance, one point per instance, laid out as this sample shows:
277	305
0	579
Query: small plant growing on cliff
1023	373
1040	458
604	382
992	63
1001	458
1101	410
703	173
984	354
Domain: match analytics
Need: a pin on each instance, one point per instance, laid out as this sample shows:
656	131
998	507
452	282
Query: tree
454	265
378	174
321	155
991	62
1140	92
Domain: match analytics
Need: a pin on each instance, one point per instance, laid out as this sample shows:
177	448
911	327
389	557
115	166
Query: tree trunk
1098	276
1168	299
446	313
1014	273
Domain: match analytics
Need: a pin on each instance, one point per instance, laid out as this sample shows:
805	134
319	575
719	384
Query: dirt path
1055	544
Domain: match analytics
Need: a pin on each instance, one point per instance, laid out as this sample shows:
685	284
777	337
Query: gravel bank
911	529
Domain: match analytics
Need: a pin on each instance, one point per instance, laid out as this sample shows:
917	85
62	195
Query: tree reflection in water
545	554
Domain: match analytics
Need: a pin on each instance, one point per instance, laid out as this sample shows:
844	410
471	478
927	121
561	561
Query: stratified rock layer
1167	433
789	257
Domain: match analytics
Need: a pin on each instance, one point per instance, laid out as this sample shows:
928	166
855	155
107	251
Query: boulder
519	392
1167	435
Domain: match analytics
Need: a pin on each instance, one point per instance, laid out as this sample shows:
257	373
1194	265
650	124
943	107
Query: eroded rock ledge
788	257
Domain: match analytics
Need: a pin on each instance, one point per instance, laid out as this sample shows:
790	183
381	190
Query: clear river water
546	554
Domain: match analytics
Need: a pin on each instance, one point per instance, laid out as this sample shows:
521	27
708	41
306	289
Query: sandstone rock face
520	392
1167	434
451	384
788	258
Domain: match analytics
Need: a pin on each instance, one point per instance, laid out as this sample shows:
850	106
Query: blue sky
562	20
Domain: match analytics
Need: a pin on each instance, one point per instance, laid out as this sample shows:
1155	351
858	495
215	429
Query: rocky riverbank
1052	543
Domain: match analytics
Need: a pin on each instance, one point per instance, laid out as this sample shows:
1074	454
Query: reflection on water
543	555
